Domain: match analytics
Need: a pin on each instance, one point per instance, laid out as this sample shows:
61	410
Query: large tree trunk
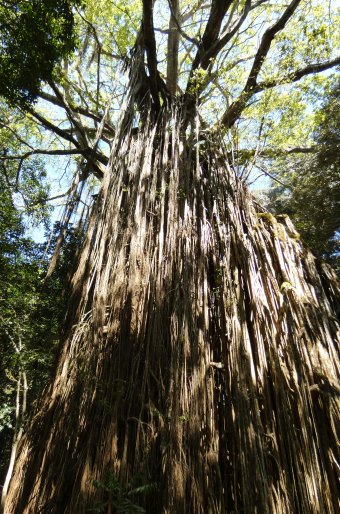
199	361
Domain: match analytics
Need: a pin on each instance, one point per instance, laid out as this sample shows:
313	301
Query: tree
312	197
35	36
198	368
31	310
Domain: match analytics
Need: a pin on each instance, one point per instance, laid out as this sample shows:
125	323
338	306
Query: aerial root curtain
200	349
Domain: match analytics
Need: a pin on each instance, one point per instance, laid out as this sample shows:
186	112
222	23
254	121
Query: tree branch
80	110
217	12
266	42
225	38
174	8
7	180
235	109
50	199
299	149
297	75
173	45
200	5
204	57
273	177
53	128
65	135
72	116
38	151
15	134
150	47
244	155
258	3
216	45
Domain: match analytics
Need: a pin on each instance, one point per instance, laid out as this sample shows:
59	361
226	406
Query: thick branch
211	45
150	47
258	3
72	116
244	155
38	151
68	137
173	45
299	149
218	10
236	108
212	52
53	128
90	154
91	132
266	42
80	110
212	49
232	114
297	75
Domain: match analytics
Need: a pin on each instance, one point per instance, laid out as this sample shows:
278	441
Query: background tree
31	309
312	197
32	313
198	371
35	36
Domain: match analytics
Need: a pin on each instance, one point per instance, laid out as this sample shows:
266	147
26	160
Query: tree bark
199	362
173	45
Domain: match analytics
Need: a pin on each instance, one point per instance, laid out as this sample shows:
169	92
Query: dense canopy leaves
34	36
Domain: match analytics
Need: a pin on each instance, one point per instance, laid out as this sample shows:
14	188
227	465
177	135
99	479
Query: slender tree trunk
173	45
20	411
199	363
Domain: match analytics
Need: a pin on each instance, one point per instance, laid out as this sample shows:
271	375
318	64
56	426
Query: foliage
121	497
34	37
93	78
18	297
23	181
327	131
31	314
313	196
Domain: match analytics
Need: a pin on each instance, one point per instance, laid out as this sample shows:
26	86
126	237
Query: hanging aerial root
199	369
